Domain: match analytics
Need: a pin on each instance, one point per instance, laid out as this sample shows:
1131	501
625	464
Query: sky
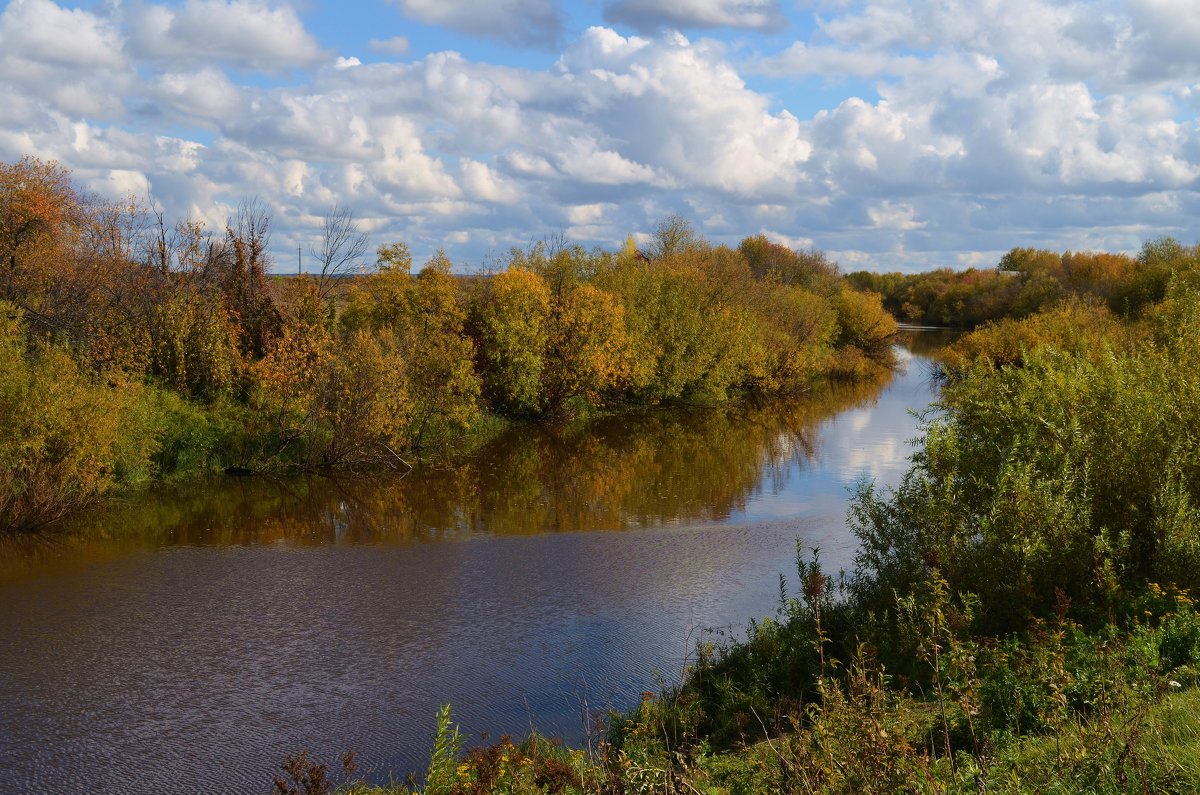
895	134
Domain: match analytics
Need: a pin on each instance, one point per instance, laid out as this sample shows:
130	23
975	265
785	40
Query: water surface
190	639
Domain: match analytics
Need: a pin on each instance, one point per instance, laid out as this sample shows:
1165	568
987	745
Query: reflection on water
191	638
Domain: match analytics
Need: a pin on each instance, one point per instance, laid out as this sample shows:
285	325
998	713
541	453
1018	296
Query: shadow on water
189	638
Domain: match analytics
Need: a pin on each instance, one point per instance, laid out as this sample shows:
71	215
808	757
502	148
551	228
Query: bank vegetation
135	348
1021	617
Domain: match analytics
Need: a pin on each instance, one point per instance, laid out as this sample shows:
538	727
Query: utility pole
299	270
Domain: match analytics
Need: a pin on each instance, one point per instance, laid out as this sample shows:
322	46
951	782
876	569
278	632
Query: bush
65	440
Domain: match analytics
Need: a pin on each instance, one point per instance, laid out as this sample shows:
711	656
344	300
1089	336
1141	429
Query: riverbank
181	357
1020	616
1150	745
547	567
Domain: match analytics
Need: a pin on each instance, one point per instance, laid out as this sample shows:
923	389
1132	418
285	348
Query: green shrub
67	437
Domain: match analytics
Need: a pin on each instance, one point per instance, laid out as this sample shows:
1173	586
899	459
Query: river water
189	640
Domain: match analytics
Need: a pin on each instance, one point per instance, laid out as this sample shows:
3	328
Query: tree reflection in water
637	469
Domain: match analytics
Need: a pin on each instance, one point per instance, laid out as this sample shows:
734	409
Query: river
188	640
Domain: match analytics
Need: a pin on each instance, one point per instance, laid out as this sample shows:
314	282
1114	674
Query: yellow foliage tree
331	401
588	352
511	319
443	384
63	439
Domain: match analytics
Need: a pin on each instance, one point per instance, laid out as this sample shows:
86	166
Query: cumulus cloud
519	22
1164	39
1113	44
40	31
247	34
973	128
901	217
702	125
56	60
484	184
651	15
205	94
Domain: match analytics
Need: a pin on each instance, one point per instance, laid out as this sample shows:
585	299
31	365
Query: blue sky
895	134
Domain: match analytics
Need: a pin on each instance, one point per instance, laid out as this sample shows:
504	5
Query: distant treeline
1026	281
135	348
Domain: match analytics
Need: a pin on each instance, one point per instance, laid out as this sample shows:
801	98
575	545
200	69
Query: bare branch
341	249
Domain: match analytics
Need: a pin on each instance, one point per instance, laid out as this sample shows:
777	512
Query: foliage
41	216
220	365
444	387
1075	326
1026	281
66	437
1020	618
810	269
1023	490
511	322
325	406
864	327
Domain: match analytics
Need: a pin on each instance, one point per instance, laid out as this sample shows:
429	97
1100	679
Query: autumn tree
65	437
330	401
444	387
587	352
41	222
241	272
382	298
511	321
687	330
865	324
795	332
674	235
811	268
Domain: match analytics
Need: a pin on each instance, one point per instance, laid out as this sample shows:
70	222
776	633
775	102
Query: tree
341	249
330	401
40	216
588	351
64	435
865	324
511	320
382	299
443	385
811	268
674	235
241	273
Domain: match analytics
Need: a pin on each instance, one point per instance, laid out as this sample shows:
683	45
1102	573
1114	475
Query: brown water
187	641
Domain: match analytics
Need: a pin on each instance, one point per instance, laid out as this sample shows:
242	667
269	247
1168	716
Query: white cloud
519	22
651	15
484	184
800	59
55	60
702	125
887	215
1165	40
40	31
248	34
581	214
796	243
584	159
204	94
1039	122
530	165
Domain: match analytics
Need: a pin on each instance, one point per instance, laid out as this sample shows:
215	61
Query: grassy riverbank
1020	617
135	350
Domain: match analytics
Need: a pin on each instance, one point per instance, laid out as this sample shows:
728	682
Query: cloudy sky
897	134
